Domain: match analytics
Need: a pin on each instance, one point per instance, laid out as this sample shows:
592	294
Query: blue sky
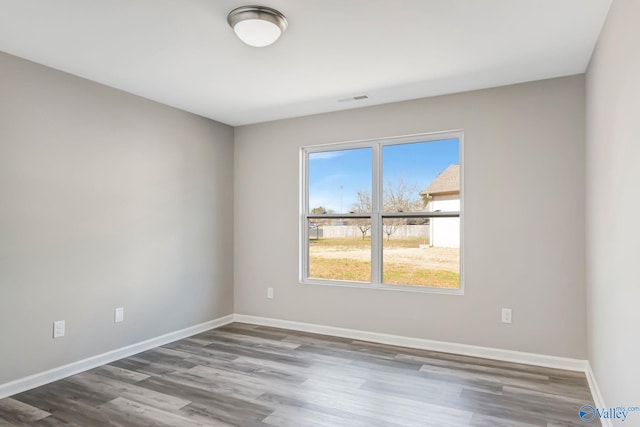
335	177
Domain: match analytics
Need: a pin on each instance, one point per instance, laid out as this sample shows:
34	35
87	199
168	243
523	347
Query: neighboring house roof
447	182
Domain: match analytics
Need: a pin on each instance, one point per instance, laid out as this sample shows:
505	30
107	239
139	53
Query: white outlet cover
58	328
506	315
270	293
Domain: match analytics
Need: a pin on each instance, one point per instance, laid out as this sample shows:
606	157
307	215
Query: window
384	214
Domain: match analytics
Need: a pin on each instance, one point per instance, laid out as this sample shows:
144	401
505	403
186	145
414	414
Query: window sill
401	288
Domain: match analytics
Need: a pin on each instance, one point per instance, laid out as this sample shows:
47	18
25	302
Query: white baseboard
61	372
597	396
423	344
42	378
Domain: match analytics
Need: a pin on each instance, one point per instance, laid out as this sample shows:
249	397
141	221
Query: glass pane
413	255
340	249
415	175
340	181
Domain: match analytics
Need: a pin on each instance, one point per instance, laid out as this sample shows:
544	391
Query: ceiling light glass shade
257	26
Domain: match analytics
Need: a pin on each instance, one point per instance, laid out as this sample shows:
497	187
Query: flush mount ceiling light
257	26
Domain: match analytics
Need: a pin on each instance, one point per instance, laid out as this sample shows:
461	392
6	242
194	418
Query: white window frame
377	215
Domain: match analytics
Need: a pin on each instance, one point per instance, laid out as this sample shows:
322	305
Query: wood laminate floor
245	375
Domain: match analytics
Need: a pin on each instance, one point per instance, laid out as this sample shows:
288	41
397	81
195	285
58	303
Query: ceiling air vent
354	98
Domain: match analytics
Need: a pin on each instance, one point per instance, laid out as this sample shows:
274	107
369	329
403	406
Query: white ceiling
183	53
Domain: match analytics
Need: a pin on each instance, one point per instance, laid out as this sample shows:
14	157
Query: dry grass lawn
405	263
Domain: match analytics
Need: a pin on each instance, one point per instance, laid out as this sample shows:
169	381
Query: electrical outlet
270	293
119	315
506	315
58	328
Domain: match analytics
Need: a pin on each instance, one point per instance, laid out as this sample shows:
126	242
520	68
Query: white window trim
376	223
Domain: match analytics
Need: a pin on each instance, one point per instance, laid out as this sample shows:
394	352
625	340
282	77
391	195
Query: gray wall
613	207
106	200
524	220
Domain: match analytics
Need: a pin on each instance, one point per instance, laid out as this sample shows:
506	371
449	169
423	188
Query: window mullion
376	216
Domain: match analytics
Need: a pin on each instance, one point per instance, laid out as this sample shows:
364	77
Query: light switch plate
119	315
